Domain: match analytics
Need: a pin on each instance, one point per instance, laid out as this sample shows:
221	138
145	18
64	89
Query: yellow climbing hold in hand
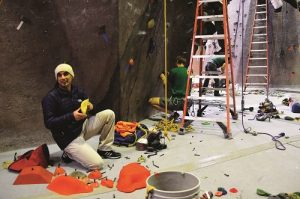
84	106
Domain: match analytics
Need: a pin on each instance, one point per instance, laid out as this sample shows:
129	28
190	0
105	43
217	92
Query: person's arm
163	78
51	120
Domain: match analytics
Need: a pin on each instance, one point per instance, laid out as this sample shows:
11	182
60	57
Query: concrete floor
246	162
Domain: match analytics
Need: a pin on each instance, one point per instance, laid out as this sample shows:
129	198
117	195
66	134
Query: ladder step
203	119
257	66
261	50
259	42
261	34
259	27
209	36
211	18
261	5
209	1
260	19
257	58
257	75
208	76
217	89
212	72
208	56
220	99
257	84
261	12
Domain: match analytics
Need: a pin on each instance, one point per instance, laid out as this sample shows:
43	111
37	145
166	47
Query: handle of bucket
149	191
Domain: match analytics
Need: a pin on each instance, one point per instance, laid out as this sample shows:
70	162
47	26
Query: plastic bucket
173	184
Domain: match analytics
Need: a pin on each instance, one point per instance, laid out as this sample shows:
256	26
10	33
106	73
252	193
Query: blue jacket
58	107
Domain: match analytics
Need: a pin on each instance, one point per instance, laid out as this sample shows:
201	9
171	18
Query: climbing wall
285	47
284	53
116	48
97	37
54	31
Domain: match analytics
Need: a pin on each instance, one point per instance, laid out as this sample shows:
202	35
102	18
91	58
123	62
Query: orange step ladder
196	73
257	72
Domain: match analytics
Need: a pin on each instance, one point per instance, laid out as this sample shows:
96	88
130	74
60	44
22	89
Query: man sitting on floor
71	126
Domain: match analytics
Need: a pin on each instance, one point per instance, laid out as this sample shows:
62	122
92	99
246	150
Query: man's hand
163	78
78	115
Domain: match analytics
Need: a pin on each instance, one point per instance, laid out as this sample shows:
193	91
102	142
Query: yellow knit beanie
64	67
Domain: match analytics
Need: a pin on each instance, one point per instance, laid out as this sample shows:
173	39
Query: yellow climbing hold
151	24
6	164
84	106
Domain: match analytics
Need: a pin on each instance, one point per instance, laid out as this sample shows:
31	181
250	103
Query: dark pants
211	67
175	103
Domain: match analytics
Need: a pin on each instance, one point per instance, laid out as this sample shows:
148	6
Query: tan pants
103	124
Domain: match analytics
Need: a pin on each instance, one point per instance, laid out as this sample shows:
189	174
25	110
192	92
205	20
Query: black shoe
217	94
109	154
173	116
65	158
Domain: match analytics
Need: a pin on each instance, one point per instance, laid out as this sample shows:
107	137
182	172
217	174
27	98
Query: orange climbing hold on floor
132	177
67	185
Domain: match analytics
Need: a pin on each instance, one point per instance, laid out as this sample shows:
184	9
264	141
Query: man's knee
96	163
108	114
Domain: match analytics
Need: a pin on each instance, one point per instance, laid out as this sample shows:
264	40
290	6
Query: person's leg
81	152
159	103
217	85
205	84
154	101
213	68
206	81
103	124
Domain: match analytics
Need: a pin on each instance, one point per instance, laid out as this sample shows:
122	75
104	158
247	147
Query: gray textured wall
59	31
68	31
284	31
285	48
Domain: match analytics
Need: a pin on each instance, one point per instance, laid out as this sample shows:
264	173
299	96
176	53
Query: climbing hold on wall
22	21
151	24
131	62
277	4
103	34
151	47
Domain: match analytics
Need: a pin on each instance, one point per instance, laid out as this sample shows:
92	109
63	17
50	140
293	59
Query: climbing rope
170	125
165	130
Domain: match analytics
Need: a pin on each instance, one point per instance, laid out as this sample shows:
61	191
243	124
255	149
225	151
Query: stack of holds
32	165
77	182
267	110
